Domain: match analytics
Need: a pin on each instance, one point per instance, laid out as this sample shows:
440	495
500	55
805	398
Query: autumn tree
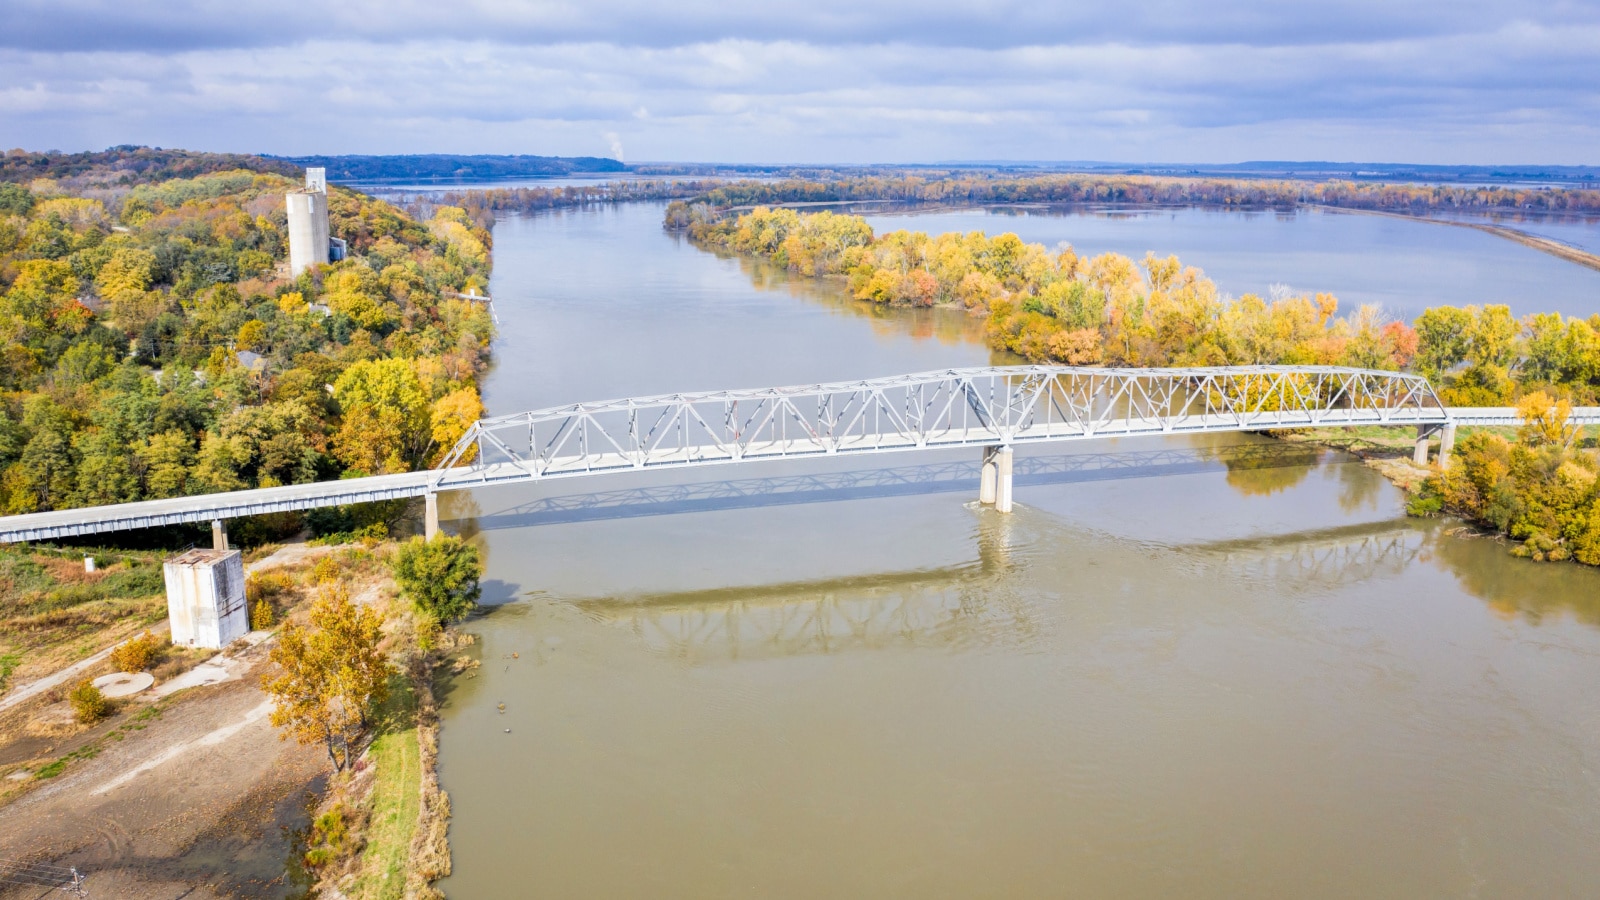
1544	421
452	415
386	413
331	675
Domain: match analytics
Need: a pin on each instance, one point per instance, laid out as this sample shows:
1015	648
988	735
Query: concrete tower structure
308	223
205	598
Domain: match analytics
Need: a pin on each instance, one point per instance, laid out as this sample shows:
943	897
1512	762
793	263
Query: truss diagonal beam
955	407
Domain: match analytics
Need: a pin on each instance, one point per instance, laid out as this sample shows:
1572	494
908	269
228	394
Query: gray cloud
826	81
198	24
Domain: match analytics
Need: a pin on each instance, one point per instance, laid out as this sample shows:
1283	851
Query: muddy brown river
1201	668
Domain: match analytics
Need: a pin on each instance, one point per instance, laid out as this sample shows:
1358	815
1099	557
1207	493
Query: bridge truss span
996	406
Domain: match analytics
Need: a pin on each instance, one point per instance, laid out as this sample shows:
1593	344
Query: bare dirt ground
202	802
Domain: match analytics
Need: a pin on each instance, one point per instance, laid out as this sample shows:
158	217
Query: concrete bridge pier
430	516
1447	442
219	534
988	477
994	487
1424	435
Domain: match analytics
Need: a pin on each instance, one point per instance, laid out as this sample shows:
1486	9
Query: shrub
327	837
324	571
137	654
89	704
261	615
1424	507
262	591
439	576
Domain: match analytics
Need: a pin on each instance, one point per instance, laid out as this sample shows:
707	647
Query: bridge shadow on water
900	481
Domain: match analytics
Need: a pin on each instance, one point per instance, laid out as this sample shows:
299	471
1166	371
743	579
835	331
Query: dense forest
155	347
1151	190
1055	306
124	166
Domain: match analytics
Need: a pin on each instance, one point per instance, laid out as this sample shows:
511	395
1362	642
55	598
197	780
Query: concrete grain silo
308	223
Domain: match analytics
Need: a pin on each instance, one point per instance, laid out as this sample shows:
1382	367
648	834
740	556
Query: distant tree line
447	166
128	165
1142	190
483	203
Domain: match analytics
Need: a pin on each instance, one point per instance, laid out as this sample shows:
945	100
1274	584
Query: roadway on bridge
981	407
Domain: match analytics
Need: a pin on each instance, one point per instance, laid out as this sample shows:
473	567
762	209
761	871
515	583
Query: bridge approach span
992	408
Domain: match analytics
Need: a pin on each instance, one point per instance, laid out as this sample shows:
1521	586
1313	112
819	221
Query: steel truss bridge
994	408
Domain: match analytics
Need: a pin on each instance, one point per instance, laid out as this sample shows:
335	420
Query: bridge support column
1002	477
430	516
1447	442
219	534
1424	434
988	478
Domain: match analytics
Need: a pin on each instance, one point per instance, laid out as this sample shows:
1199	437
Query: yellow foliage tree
453	414
331	675
252	335
1544	421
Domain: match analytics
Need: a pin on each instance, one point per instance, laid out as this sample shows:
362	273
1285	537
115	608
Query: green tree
165	460
15	199
1443	336
440	577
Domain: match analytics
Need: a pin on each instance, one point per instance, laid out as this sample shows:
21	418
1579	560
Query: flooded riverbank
1222	668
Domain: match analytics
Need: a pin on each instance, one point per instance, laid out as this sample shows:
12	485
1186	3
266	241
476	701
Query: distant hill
441	166
128	164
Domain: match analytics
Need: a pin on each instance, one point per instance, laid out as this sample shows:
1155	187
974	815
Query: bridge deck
954	408
233	504
207	507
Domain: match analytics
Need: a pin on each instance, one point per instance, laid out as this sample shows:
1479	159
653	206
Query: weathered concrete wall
205	598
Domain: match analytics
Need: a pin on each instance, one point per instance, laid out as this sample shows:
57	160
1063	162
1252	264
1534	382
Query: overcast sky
795	81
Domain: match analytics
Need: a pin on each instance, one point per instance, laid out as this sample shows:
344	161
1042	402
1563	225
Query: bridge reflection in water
979	603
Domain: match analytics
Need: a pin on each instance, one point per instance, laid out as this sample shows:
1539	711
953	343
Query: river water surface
1208	668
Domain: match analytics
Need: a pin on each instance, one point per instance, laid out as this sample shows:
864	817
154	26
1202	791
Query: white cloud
1513	90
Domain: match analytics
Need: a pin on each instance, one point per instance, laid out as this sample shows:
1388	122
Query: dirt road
200	803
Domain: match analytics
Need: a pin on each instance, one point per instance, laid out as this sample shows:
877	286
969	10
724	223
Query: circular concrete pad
123	684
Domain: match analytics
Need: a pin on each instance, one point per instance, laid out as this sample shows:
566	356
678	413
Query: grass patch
52	769
53	612
396	796
8	664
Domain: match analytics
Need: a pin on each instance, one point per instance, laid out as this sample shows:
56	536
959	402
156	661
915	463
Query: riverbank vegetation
358	679
1055	306
1540	489
155	346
